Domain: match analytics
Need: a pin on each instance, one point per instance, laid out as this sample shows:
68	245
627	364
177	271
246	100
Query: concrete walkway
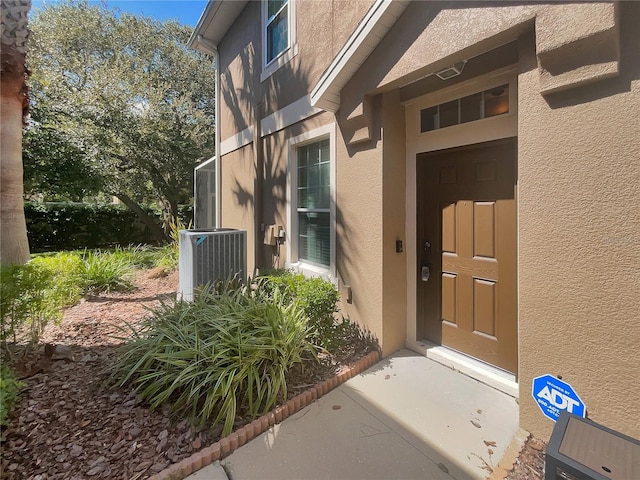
407	417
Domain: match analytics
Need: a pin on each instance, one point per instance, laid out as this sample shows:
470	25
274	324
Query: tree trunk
14	245
14	105
169	213
155	229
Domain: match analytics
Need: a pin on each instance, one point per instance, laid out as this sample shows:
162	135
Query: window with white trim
278	35
277	28
311	207
314	203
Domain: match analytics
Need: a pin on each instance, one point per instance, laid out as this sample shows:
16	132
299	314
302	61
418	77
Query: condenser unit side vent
209	255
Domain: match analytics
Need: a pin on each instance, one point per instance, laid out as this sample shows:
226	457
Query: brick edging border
227	445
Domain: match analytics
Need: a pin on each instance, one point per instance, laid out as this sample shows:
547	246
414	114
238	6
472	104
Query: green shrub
67	284
36	293
219	356
25	299
65	225
107	271
317	297
9	387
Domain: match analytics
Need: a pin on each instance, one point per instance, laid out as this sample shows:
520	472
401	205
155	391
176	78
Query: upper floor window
277	28
278	35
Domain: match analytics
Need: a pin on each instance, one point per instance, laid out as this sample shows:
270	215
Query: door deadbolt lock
424	273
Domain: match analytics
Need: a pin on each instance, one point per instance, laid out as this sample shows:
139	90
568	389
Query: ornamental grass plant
140	256
225	354
107	271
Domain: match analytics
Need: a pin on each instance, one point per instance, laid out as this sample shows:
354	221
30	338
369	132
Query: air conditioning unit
209	255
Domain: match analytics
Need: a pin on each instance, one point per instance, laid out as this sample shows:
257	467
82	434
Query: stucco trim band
295	112
239	140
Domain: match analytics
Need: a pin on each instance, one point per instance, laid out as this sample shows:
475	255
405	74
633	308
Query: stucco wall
237	196
579	234
322	28
579	171
360	233
429	37
579	204
275	193
394	264
275	189
239	68
359	214
359	224
321	31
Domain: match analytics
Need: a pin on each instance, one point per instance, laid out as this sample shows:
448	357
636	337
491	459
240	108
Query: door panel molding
461	136
470	301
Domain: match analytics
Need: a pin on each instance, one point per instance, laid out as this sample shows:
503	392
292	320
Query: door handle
425	272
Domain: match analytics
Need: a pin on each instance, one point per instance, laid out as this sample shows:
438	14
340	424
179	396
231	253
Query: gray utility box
580	449
209	255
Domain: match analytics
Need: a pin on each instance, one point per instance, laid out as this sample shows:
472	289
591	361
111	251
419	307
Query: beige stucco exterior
237	196
579	251
578	179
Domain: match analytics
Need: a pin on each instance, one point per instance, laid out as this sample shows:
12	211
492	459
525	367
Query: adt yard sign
553	396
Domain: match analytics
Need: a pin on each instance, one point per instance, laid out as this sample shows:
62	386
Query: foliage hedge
55	226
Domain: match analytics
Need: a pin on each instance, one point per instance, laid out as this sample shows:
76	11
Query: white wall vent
208	255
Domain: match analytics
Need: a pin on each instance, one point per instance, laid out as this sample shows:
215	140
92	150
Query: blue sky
186	12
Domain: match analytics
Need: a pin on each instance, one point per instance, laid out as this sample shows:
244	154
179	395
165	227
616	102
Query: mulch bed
530	463
68	424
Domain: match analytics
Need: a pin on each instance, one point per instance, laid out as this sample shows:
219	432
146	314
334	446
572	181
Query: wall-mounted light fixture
453	71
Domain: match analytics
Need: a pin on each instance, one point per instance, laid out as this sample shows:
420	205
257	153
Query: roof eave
215	21
374	26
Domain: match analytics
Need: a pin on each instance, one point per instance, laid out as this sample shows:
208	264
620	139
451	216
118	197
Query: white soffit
370	31
215	21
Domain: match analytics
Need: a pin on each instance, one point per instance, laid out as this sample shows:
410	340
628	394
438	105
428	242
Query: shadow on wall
246	98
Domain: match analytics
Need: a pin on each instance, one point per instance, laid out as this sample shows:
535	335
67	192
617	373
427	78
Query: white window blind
314	203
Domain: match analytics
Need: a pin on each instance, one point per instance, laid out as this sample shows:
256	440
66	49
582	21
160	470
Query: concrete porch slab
406	417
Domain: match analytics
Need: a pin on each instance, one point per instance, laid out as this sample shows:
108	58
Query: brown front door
467	278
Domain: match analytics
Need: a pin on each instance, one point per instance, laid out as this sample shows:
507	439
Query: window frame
212	203
270	67
293	261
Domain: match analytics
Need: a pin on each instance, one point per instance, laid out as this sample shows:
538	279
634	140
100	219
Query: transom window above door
486	104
